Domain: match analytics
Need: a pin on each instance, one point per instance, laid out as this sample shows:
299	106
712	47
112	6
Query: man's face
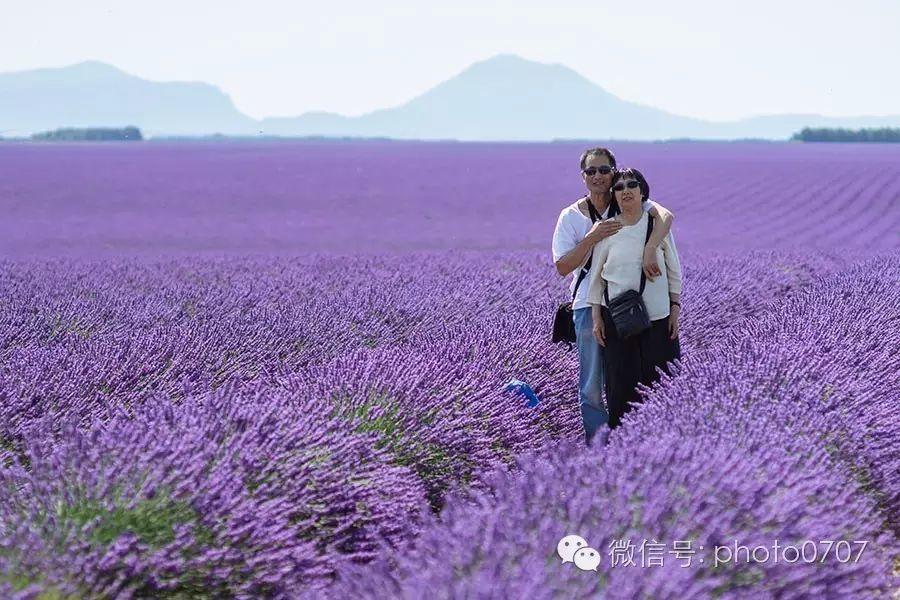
595	179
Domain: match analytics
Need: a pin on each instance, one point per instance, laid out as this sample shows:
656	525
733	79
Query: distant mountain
510	98
94	94
502	98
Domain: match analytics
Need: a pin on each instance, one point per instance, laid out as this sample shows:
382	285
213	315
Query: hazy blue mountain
510	98
502	98
94	94
505	98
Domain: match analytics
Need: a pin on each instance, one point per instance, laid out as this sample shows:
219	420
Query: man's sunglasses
591	171
620	187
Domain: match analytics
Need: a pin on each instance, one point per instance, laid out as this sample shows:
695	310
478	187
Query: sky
715	60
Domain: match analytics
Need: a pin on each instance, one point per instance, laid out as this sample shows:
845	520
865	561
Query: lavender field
278	370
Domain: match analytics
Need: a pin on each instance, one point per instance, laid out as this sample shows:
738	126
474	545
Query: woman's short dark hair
627	173
598	151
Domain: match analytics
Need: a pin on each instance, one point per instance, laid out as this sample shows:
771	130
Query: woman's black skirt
634	360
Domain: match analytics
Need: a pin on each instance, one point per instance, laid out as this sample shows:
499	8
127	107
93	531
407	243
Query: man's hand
650	263
674	315
603	229
600	332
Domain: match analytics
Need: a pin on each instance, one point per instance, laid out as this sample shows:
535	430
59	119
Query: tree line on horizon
831	134
90	134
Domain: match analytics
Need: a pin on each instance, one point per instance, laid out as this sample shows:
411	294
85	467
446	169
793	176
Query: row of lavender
254	426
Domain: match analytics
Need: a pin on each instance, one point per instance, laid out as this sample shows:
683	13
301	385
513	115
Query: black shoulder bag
563	324
629	314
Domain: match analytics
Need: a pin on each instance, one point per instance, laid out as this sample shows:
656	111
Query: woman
618	258
580	226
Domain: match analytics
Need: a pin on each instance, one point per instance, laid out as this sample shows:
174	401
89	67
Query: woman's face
597	174
628	193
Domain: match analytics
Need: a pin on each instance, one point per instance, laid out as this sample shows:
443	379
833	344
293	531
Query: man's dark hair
627	173
598	151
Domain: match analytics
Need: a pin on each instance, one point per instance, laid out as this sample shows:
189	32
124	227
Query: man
579	227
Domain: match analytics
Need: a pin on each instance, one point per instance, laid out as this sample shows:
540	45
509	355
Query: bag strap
643	276
595	216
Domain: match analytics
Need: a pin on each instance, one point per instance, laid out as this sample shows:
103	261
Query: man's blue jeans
591	375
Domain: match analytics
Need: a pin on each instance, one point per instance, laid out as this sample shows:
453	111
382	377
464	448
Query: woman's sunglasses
591	171
620	187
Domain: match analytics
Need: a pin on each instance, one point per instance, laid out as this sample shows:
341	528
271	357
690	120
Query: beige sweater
617	263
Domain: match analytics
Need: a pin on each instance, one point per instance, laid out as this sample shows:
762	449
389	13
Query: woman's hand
650	263
599	331
674	316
